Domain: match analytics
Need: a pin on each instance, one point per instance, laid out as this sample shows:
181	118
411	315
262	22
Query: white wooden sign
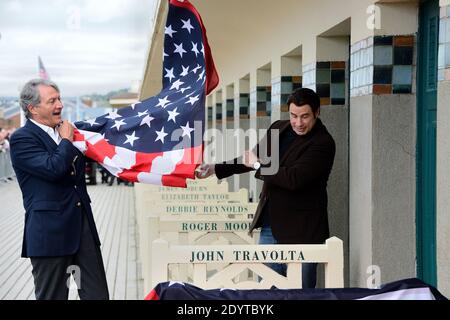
252	257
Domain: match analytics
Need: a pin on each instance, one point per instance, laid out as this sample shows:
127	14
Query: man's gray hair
30	94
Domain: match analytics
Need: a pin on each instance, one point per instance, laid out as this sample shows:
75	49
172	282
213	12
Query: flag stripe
406	289
160	167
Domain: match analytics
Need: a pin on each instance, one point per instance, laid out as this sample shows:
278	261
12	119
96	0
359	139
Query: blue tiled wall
382	65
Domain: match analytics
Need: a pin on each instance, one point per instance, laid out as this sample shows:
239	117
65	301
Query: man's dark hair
303	96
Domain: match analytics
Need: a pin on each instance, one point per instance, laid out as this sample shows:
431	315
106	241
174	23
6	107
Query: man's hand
249	158
65	130
205	171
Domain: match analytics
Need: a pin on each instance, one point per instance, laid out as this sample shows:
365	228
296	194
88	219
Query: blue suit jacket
53	186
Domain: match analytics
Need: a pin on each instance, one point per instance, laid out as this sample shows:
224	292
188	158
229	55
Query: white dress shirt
53	133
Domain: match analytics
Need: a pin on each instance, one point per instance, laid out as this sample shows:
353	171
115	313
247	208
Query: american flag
42	72
405	289
160	140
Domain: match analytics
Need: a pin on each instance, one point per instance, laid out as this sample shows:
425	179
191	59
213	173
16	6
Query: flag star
104	137
187	25
182	90
200	77
203	50
185	71
171	283
179	49
186	130
147	120
195	49
168	30
165	55
161	135
113	115
140	114
172	115
118	124
91	122
196	69
134	104
169	74
176	85
192	100
163	102
131	138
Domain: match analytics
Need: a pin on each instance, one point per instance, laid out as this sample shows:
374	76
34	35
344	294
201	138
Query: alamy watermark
75	279
374	279
374	20
73	21
229	146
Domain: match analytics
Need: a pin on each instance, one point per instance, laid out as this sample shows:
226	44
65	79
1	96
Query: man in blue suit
60	236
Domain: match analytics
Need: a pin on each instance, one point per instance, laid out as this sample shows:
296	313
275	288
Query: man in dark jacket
60	236
293	202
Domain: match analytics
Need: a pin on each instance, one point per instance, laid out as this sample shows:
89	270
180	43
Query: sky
87	46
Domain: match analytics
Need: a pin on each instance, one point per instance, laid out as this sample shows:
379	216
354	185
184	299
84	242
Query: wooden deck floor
114	213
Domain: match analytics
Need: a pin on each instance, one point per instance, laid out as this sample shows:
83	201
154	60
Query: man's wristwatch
256	165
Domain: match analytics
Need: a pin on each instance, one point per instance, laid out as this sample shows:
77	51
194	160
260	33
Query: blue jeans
309	270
